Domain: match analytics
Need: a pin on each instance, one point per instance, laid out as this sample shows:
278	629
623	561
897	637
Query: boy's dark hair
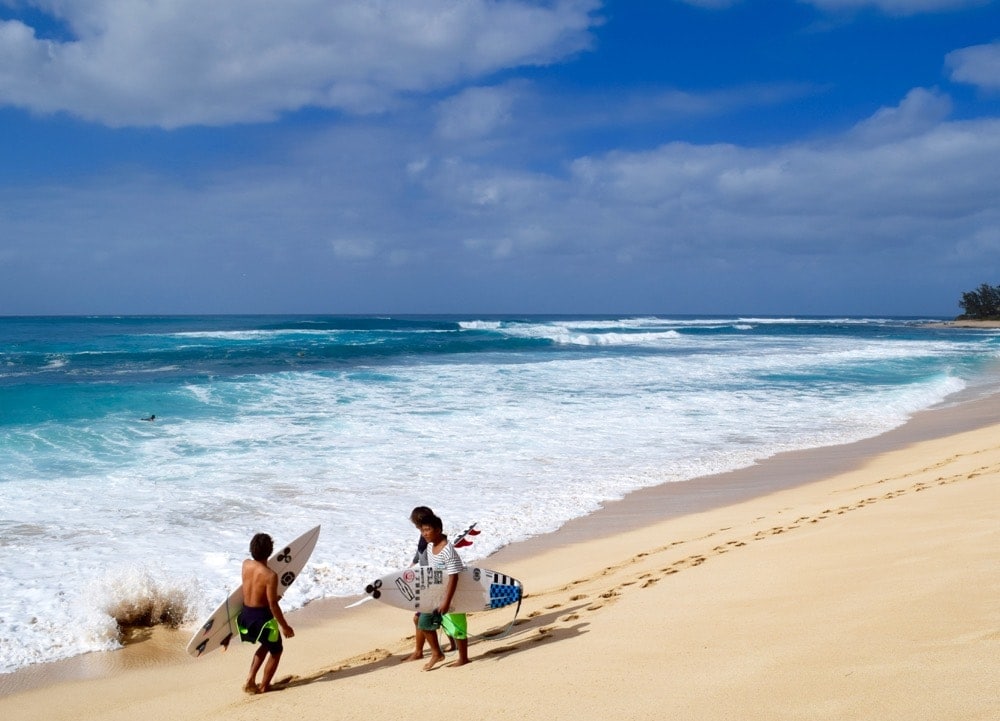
419	515
261	546
432	521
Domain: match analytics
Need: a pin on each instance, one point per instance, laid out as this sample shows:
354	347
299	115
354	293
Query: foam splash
140	597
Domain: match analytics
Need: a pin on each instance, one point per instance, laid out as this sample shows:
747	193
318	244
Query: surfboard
461	541
220	628
421	588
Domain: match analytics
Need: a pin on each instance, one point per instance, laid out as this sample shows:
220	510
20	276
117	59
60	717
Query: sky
749	157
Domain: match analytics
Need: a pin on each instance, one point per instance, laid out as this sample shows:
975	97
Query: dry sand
871	590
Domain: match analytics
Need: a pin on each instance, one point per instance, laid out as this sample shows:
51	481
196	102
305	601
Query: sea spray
138	597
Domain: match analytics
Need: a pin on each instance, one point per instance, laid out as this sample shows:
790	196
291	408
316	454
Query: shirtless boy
261	617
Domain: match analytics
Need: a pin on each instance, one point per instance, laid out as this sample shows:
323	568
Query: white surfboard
220	628
461	541
421	588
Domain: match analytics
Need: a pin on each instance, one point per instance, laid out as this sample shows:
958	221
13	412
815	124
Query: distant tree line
981	304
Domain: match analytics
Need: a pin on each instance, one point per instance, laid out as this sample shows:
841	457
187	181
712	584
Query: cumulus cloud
920	111
905	174
475	112
189	62
976	65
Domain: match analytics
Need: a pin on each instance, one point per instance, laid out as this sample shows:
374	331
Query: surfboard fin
463	541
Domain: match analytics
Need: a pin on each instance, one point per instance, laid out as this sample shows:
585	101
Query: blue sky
472	156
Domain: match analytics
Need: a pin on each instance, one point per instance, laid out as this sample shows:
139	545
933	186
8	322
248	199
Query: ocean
279	423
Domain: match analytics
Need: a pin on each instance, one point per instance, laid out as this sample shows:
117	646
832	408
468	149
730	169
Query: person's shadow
529	631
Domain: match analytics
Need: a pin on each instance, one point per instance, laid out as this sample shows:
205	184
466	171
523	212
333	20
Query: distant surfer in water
150	418
261	620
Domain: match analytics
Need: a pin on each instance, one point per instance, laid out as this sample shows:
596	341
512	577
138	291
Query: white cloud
903	176
190	62
352	249
977	65
905	186
919	112
475	113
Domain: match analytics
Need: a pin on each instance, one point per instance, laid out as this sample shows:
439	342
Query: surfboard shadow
543	627
525	633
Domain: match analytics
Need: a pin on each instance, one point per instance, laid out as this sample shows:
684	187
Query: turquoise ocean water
267	423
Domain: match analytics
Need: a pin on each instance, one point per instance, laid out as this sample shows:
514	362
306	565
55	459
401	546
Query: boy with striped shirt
441	554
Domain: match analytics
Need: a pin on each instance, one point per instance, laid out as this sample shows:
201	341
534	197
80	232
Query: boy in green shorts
441	554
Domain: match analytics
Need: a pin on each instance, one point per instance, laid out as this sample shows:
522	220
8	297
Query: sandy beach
857	582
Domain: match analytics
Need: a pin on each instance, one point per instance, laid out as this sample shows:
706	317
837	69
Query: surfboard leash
506	631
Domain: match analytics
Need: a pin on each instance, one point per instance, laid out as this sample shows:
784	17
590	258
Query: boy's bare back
258	579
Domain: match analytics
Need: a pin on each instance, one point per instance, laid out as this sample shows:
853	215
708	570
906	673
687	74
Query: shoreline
636	510
160	647
783	471
986	324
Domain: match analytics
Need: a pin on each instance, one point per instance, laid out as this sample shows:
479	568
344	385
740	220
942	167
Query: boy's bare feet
434	661
459	662
251	688
413	657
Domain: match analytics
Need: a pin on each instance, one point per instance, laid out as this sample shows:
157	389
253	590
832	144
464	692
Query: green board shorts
455	625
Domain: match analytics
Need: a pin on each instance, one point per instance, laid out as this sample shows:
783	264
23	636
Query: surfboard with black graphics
220	628
421	588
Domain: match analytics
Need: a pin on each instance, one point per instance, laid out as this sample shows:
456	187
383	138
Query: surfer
441	554
261	620
418	517
150	418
